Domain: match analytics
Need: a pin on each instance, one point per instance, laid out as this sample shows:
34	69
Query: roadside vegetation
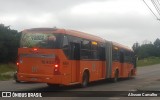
148	53
147	49
9	43
7	71
148	61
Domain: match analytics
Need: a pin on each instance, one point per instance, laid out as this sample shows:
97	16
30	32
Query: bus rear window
40	40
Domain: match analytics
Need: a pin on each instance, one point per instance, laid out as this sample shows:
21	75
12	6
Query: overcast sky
122	21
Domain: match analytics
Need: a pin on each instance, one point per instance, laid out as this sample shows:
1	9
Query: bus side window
115	54
65	45
127	57
101	52
74	50
94	50
85	49
121	56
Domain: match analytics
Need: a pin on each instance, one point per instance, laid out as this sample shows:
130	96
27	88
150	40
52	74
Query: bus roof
44	30
69	32
85	35
75	33
122	46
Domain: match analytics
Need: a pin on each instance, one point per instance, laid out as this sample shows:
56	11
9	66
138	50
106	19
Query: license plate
34	79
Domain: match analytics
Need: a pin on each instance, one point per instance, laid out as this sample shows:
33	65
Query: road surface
145	76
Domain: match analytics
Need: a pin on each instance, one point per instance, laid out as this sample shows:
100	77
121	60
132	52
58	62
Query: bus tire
16	78
115	79
85	79
17	81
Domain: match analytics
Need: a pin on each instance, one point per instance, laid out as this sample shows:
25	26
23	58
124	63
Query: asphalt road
145	75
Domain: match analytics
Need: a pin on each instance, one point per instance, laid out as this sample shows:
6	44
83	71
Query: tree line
9	43
147	49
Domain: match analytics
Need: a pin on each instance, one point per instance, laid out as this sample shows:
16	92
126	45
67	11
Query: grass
6	71
148	61
5	77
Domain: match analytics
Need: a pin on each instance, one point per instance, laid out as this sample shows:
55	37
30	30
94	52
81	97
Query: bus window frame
116	54
66	50
86	50
57	43
73	39
102	53
95	56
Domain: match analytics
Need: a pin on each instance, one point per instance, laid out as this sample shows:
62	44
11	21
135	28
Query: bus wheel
15	78
115	79
17	81
85	79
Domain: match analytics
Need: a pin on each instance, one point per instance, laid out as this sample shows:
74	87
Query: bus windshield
40	40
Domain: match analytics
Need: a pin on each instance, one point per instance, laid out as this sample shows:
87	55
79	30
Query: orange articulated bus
66	57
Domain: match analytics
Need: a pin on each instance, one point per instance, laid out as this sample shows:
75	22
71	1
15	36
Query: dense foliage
147	50
9	42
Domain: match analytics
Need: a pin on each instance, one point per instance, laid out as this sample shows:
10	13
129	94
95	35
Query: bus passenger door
75	55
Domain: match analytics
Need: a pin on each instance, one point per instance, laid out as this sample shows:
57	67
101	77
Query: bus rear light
35	49
57	66
56	69
17	63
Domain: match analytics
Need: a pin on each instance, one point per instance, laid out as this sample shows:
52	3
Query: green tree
136	47
157	47
157	43
9	42
146	50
